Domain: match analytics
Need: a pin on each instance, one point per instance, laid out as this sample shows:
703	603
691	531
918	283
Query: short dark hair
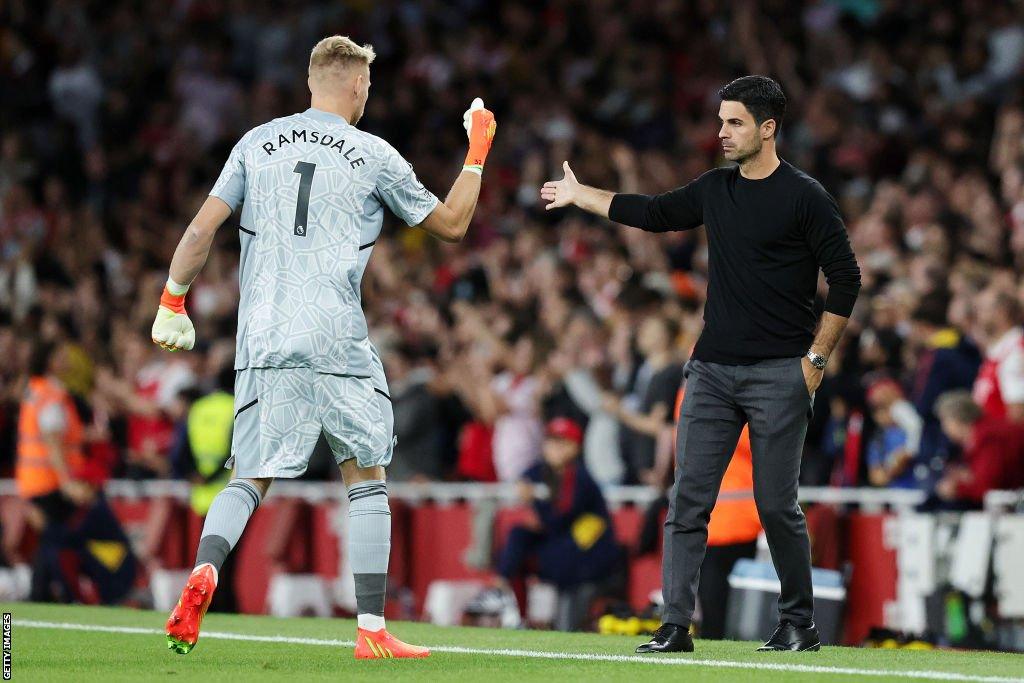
39	359
931	309
762	96
226	378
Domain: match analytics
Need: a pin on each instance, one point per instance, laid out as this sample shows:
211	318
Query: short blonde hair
339	52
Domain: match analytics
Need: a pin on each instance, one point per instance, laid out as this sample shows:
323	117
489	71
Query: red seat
627	521
644	577
276	539
325	550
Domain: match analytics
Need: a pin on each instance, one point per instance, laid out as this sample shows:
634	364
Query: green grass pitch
73	643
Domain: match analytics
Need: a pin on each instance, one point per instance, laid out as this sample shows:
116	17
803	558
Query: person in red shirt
999	386
993	450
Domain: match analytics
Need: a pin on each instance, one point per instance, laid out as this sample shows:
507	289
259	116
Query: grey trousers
771	396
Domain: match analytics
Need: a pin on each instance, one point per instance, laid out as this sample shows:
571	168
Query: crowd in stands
118	116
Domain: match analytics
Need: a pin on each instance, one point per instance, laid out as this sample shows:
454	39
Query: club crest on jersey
317	138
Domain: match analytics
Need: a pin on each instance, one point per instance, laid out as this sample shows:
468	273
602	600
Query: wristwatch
817	360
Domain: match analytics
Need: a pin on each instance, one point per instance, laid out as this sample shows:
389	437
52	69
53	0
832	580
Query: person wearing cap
892	452
569	540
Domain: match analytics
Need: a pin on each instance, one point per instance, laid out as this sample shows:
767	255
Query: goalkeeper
312	189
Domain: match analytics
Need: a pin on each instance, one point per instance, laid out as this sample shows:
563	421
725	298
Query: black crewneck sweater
767	239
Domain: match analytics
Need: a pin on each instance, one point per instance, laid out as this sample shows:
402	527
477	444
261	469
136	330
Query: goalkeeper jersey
312	190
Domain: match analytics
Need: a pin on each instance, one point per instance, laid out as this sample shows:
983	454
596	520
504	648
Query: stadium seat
299	595
446	601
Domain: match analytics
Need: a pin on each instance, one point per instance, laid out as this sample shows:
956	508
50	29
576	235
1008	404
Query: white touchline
677	661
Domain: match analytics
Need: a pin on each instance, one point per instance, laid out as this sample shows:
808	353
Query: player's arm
680	209
194	247
172	328
450	219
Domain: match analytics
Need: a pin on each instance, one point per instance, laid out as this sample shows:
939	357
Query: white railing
445	492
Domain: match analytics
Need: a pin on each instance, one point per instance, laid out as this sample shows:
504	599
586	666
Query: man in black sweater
759	359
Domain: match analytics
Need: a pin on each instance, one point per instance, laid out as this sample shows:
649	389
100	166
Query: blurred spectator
993	451
569	541
945	359
50	454
419	453
601	451
146	388
892	453
999	388
909	114
647	411
203	446
50	439
514	406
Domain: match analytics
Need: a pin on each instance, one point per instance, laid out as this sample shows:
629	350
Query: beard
741	156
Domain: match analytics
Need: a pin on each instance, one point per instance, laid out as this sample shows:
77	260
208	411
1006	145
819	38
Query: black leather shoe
788	637
668	638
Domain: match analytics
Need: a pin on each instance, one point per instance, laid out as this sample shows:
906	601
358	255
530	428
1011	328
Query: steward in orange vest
50	434
50	440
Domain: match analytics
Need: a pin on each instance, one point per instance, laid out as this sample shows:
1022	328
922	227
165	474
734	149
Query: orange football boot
382	645
183	624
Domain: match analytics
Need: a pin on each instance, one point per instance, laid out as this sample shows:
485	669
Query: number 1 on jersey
305	171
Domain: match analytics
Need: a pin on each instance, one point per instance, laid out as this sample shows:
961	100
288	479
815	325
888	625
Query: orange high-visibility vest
34	471
734	518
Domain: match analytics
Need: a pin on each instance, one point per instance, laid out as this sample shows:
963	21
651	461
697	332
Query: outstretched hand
559	193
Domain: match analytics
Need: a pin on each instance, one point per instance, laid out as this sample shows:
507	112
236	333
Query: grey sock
369	543
226	520
212	549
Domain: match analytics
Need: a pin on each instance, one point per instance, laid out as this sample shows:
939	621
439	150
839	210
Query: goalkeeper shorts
280	413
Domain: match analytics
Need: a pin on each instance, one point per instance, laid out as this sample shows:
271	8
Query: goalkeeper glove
172	329
480	126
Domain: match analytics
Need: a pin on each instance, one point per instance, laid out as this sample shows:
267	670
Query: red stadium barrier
442	533
873	582
429	542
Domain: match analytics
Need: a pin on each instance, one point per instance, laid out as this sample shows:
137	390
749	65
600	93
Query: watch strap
817	360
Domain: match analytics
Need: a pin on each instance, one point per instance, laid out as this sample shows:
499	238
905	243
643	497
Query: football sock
369	544
226	520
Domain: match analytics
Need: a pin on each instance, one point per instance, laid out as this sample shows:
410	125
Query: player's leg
275	429
226	519
357	422
224	524
369	539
